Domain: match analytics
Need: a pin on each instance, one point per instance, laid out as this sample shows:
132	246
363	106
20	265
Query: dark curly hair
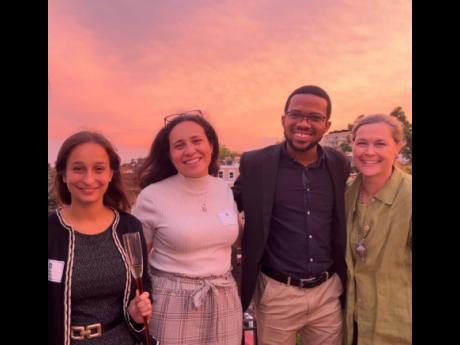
158	166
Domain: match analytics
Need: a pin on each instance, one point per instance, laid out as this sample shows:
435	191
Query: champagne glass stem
146	325
139	285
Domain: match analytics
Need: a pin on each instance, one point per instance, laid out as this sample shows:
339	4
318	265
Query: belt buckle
86	332
306	280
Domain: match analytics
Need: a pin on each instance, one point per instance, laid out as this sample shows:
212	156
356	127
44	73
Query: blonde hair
395	125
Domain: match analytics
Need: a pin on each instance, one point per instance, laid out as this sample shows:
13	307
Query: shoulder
337	160
406	182
219	183
127	221
406	178
54	224
153	189
258	153
221	186
58	235
165	183
263	150
152	196
352	187
52	217
127	217
333	154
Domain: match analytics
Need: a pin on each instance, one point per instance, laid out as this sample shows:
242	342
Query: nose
304	122
89	178
370	150
189	149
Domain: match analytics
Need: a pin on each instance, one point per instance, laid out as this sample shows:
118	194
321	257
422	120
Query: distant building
335	138
349	156
129	176
229	170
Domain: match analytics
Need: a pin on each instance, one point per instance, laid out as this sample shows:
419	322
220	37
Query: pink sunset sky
120	66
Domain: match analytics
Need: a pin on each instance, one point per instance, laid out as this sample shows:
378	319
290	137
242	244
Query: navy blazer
254	193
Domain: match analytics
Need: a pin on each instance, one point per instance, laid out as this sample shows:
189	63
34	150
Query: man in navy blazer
293	246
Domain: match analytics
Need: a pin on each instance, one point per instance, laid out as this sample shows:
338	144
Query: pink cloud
119	67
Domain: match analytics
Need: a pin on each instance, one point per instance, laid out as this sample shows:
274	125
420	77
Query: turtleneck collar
195	184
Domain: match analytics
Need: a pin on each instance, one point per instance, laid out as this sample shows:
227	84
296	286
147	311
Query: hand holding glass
133	248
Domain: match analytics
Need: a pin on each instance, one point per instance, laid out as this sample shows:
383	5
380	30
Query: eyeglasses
298	116
171	117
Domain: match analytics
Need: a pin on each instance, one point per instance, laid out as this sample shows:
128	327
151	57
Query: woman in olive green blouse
379	241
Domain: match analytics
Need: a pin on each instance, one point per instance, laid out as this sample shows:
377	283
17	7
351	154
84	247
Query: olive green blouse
379	293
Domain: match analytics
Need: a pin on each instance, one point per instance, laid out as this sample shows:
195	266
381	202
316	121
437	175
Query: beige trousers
282	310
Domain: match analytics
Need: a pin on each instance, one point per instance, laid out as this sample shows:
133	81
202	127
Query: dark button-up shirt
299	243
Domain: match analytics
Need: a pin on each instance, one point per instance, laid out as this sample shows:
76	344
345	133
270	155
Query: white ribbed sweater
185	239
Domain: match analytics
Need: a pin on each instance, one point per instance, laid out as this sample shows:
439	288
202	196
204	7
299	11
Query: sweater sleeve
144	210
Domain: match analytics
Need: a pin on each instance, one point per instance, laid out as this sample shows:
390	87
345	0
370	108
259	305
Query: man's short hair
314	90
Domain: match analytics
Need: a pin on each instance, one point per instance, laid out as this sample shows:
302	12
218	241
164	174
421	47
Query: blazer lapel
333	168
269	177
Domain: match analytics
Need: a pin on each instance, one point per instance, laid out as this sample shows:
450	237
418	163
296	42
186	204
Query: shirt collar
388	192
317	163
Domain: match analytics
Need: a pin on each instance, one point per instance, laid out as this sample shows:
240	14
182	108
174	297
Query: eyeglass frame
171	117
307	117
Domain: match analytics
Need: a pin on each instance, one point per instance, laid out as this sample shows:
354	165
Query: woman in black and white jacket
91	294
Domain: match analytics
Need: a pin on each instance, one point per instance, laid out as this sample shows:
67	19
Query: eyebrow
192	137
98	162
307	113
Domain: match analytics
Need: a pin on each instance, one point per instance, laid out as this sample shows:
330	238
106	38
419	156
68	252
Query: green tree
407	127
350	125
52	204
225	152
345	147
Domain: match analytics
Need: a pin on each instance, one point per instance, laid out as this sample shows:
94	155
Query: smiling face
302	135
375	150
189	149
88	174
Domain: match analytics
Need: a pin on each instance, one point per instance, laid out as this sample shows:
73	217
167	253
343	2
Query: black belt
94	330
301	283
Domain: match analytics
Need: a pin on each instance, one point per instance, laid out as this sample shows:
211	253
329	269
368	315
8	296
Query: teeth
192	161
303	135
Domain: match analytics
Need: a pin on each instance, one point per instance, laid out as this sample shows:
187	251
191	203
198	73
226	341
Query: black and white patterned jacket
61	245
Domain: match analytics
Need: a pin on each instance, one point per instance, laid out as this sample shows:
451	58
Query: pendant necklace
204	208
363	231
361	249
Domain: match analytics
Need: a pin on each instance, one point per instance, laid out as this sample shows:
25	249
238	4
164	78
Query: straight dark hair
314	90
158	166
115	196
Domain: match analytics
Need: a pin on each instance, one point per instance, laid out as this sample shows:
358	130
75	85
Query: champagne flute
132	244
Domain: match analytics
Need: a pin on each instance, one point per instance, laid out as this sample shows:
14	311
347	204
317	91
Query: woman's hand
140	307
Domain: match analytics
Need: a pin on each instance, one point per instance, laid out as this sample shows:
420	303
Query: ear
400	146
64	179
327	125
111	175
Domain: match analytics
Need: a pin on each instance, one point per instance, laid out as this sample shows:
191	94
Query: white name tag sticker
55	270
228	218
